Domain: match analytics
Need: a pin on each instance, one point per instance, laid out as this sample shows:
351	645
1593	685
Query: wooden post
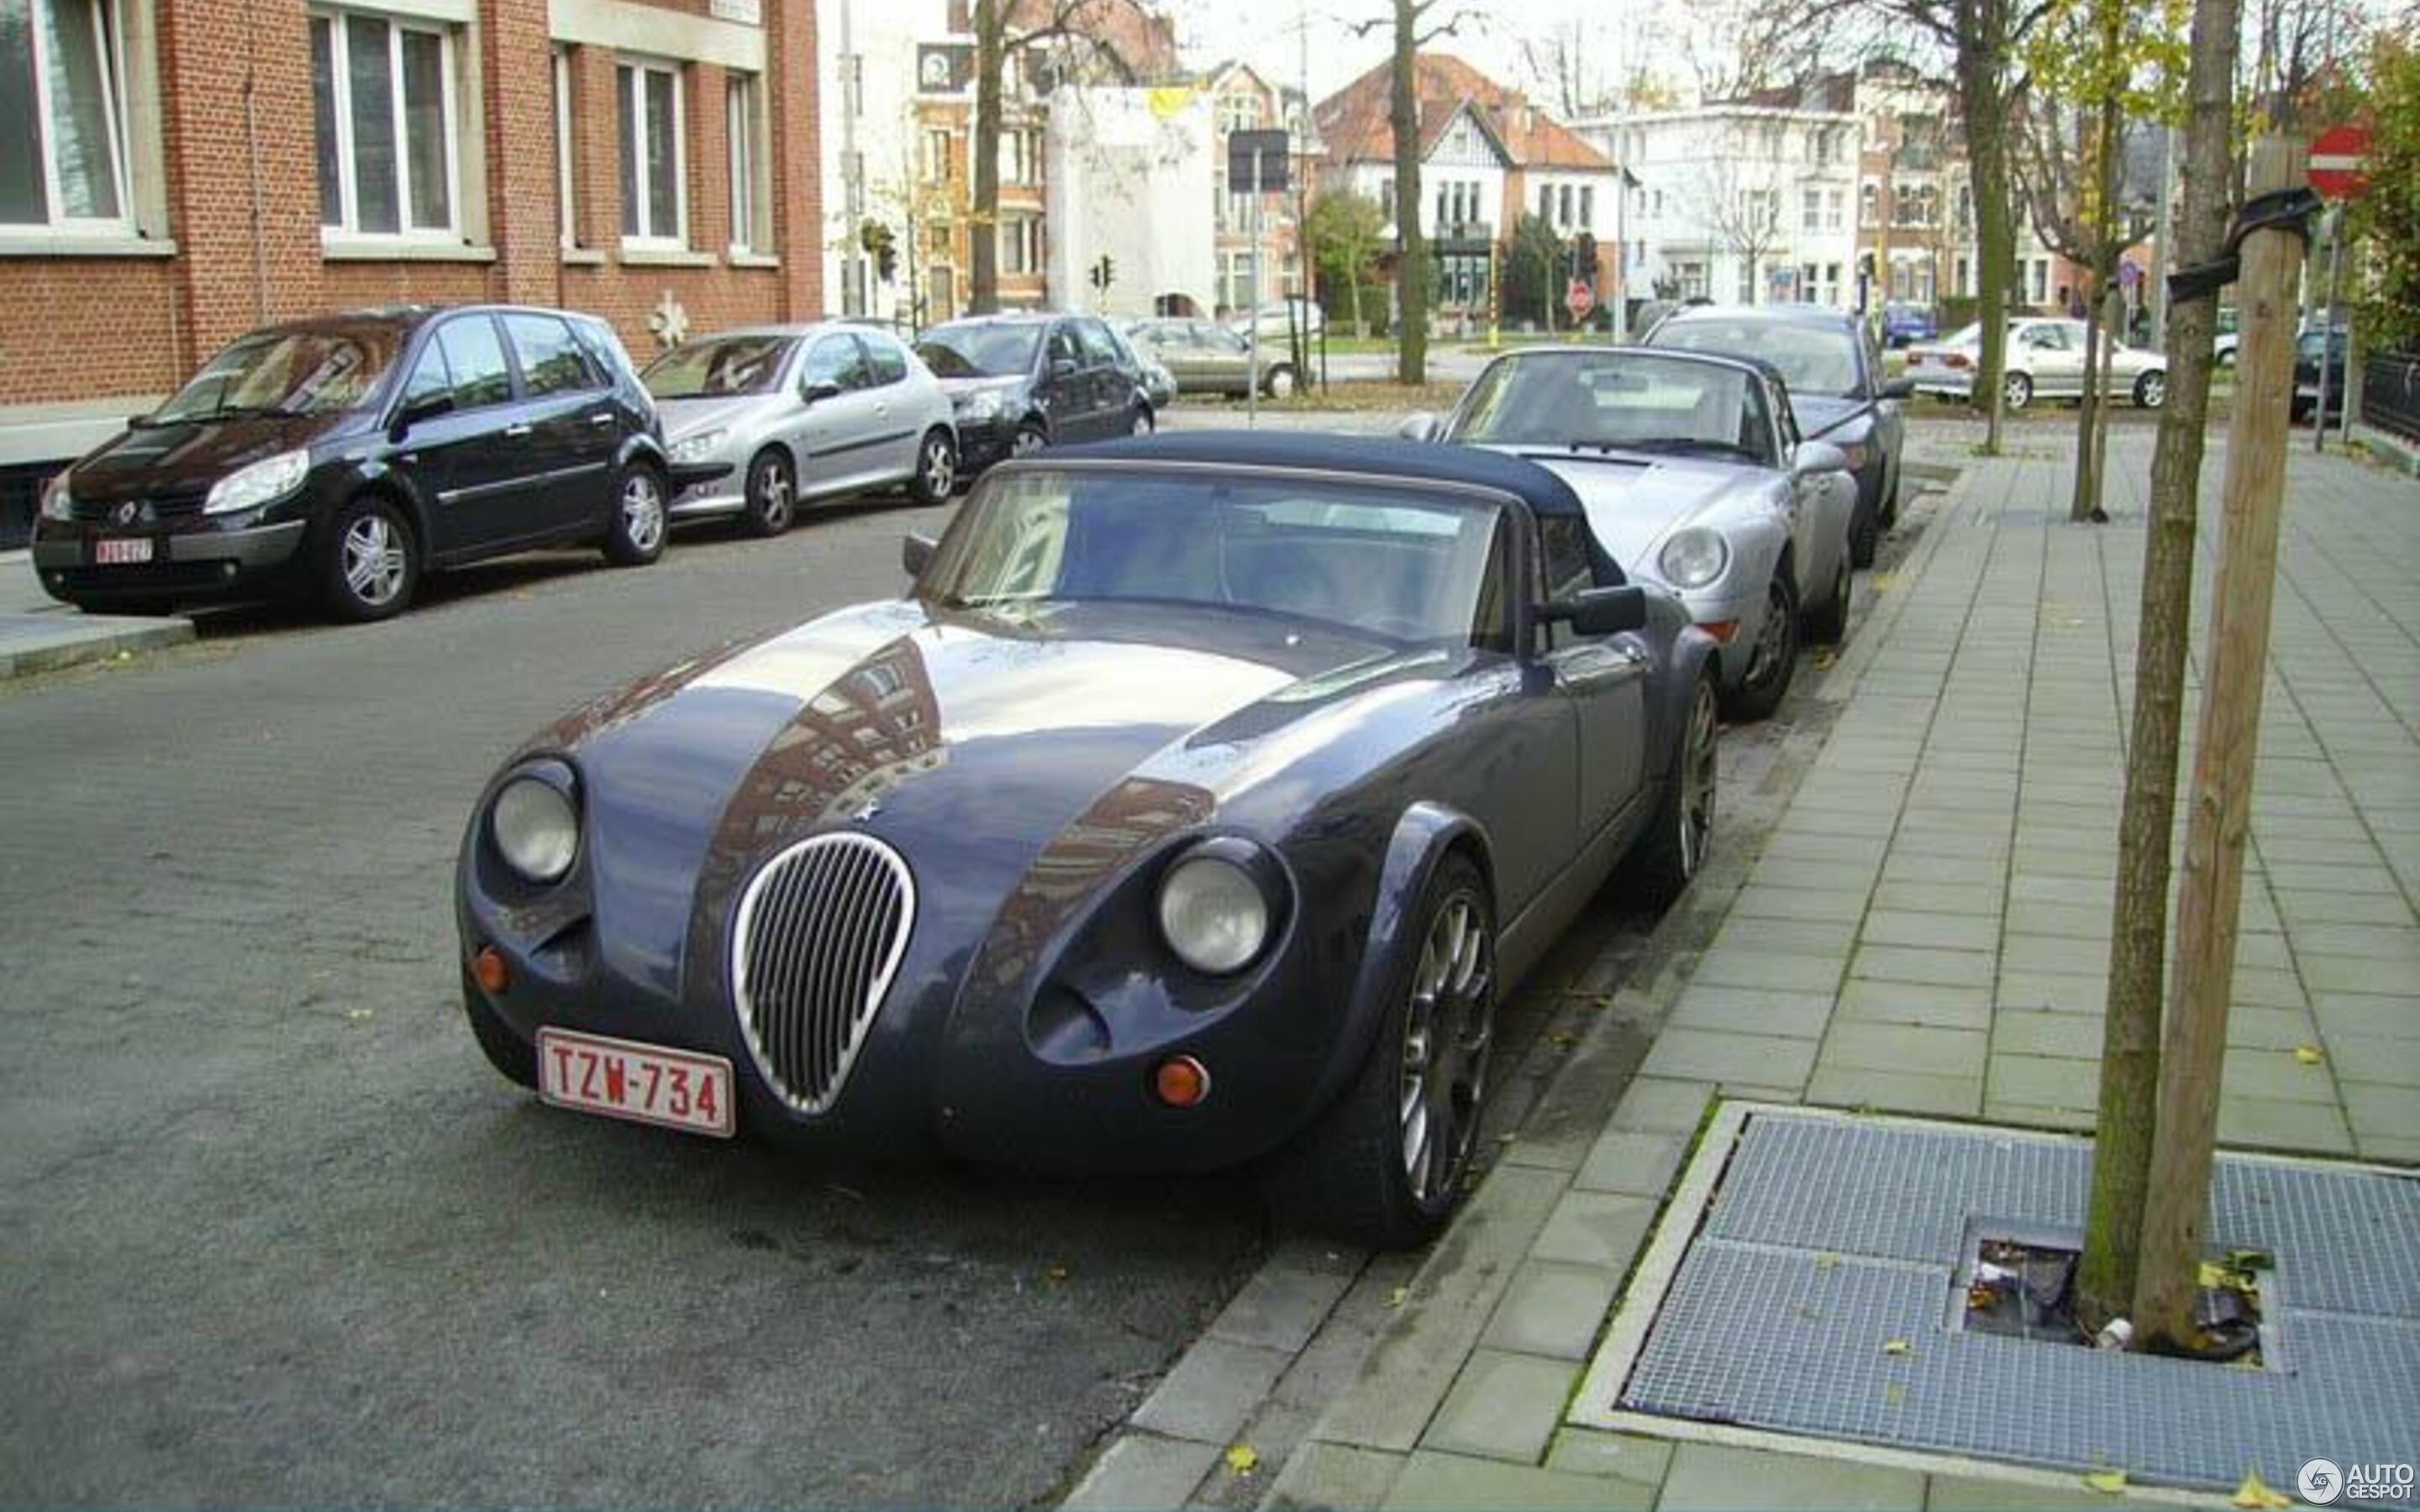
2220	819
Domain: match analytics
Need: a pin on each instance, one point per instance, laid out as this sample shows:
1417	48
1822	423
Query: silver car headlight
59	503
536	828
1693	558
1217	906
697	447
982	405
263	482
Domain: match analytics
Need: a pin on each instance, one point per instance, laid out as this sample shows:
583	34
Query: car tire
1141	424
514	1058
771	504
1674	847
635	536
1773	660
937	468
1351	1174
2152	389
1889	503
2017	389
1865	534
1280	381
1830	624
370	561
1030	438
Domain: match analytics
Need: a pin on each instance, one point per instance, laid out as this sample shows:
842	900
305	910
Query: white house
1128	175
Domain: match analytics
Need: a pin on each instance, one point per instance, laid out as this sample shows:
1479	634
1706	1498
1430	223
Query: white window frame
743	116
110	16
566	196
340	83
629	72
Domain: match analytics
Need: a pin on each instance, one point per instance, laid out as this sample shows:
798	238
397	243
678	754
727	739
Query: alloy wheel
2018	390
1698	781
375	561
642	511
1772	636
2152	392
1028	441
1449	1031
1142	425
941	468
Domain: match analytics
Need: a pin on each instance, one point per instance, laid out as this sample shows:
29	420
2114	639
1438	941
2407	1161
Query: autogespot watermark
2324	1482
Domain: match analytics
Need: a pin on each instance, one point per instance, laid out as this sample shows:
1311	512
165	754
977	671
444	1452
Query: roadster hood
1824	417
1634	501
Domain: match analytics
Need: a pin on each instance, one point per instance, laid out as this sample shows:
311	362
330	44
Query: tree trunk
1411	256
2109	244
983	232
1982	97
2194	1037
2084	507
2129	1035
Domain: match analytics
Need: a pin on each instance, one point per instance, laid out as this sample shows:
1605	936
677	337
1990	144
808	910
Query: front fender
641	447
1423	836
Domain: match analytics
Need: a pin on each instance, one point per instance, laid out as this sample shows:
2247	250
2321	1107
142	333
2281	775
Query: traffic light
1584	256
1103	273
874	236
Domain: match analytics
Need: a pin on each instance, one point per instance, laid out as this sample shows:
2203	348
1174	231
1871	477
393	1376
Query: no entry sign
1579	299
2341	162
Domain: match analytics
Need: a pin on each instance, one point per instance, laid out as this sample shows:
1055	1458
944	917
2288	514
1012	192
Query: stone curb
29	644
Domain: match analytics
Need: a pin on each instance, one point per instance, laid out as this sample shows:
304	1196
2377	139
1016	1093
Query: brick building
174	173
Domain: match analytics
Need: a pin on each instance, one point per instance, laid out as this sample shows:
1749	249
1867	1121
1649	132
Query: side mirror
1062	367
915	553
1421	426
817	392
1900	387
1602	610
1818	456
427	406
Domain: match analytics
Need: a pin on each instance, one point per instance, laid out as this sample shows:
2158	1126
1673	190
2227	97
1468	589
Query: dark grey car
1828	361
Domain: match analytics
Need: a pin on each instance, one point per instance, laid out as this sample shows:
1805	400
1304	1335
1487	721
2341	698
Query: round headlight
536	828
1693	558
1213	913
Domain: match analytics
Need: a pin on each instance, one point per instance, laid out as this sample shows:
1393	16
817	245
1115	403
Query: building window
1693	281
384	94
1386	198
937	155
654	192
1240	112
1546	202
1748	280
1811	209
1588	206
1239	280
1869	204
566	198
937	238
62	139
1020	244
1833	200
1562	207
744	118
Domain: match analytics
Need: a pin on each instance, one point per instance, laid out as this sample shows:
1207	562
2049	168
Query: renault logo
129	512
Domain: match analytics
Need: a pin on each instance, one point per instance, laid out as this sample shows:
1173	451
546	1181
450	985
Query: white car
2045	360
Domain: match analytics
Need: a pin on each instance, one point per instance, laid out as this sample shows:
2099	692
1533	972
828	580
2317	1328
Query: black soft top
1368	457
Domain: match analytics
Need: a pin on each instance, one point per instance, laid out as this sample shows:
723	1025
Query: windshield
980	350
1386	562
1633	400
718	368
286	373
1812	359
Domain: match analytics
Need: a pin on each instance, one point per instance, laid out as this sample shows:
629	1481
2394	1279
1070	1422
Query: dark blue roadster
1194	808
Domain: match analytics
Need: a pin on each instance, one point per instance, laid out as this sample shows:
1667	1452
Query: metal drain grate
1829	1238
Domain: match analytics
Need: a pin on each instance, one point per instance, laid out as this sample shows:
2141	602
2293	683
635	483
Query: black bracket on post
2286	209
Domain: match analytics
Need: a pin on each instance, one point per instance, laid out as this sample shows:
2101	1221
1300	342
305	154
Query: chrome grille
819	934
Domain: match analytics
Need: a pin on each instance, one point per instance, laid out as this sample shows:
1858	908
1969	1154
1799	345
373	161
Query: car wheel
370	565
1280	383
1143	424
772	493
1774	659
1678	838
635	537
1865	534
1830	622
1889	504
1385	1167
2152	389
515	1057
1031	439
936	469
2017	391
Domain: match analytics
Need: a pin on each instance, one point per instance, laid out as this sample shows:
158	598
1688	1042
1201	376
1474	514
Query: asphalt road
276	1235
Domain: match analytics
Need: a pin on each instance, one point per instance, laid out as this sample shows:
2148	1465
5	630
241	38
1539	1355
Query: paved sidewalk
38	634
1924	930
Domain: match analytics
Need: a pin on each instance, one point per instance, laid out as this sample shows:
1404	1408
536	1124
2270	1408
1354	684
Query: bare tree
1414	26
1559	63
1739	206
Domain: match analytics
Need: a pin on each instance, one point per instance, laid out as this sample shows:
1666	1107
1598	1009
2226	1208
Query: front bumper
203	561
1744	614
1948	382
983	442
706	487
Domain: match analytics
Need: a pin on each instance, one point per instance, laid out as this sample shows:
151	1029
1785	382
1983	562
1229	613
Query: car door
1229	358
474	477
568	423
2056	368
1065	393
893	456
1110	386
843	428
1603	678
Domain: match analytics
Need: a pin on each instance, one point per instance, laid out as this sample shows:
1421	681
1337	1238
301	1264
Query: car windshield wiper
224	411
1693	444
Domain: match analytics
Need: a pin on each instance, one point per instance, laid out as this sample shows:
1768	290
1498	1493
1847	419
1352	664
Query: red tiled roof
1353	122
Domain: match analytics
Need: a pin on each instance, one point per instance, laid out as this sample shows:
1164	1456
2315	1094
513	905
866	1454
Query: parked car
1208	357
1280	318
1836	386
1198	805
2307	349
768	417
1159	385
1906	323
1020	382
340	457
1696	479
2045	359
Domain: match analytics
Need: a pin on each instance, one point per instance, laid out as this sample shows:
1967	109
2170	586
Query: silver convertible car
765	419
1696	479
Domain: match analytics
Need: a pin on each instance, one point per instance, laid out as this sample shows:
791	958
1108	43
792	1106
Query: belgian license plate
642	1083
119	552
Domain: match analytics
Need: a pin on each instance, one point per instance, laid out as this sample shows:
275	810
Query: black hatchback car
1020	382
339	457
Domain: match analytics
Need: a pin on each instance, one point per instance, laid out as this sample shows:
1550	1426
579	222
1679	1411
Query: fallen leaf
2308	1054
1895	1394
1564	1038
1826	1260
2107	1481
1243	1459
359	1014
1399	1296
1880	582
2254	1495
1056	1274
1898	1346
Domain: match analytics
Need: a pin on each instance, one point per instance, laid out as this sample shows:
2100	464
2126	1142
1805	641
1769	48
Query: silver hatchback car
764	419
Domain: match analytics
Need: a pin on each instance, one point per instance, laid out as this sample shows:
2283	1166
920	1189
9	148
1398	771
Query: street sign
2341	162
1257	162
1579	299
